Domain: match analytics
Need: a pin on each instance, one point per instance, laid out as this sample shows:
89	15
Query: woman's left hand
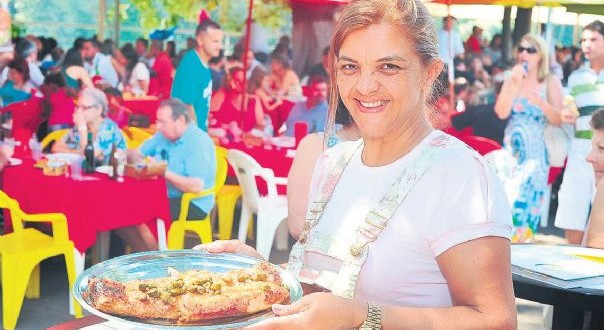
316	311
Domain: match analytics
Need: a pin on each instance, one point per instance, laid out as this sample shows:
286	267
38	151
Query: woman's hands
230	246
316	311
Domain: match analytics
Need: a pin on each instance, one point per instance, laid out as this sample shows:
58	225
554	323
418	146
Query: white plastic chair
270	210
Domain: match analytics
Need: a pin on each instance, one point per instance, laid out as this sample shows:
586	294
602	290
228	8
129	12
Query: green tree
230	14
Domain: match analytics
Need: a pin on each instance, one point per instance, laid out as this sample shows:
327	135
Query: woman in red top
225	106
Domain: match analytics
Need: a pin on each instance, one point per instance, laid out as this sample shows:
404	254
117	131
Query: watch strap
374	318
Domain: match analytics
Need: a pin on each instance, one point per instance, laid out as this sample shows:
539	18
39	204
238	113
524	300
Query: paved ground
52	307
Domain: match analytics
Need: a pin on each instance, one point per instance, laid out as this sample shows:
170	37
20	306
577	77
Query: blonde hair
539	44
410	16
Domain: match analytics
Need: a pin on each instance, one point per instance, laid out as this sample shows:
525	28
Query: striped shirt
587	87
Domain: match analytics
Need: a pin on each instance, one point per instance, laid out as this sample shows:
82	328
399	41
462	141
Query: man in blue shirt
313	111
190	154
193	80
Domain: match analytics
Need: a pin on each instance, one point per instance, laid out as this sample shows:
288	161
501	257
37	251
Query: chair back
222	168
135	136
53	136
15	212
246	169
26	114
481	144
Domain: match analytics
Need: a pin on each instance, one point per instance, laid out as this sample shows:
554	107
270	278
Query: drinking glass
76	168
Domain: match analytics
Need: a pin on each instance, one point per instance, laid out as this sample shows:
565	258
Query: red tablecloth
90	206
145	106
274	158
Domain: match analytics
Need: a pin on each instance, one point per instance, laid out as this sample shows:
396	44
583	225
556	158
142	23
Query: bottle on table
89	161
113	162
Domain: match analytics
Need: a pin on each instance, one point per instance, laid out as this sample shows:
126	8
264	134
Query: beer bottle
113	162
89	165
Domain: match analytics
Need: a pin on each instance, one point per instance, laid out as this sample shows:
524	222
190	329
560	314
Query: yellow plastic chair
23	250
202	227
135	136
226	199
53	136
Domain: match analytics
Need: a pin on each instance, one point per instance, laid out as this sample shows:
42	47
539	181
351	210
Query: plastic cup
76	168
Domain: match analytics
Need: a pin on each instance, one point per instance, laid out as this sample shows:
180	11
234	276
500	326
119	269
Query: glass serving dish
154	264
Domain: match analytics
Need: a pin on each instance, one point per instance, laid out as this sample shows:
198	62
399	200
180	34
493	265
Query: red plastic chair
481	144
27	116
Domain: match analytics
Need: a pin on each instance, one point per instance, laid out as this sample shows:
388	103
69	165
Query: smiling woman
406	228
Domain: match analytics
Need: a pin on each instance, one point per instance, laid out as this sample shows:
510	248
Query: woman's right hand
230	246
517	73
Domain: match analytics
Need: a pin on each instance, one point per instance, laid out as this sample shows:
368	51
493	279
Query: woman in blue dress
17	88
531	97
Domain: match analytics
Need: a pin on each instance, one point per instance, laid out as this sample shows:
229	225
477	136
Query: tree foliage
230	14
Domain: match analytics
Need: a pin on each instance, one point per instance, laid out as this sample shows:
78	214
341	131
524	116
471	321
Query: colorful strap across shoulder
343	283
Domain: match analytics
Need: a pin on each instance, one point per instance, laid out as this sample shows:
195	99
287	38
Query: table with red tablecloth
276	158
91	206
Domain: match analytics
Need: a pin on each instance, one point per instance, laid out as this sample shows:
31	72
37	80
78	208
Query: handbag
556	143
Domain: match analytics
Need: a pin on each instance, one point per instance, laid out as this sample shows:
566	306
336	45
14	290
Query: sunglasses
530	50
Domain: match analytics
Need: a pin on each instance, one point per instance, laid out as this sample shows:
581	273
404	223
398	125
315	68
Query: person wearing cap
474	42
586	85
27	50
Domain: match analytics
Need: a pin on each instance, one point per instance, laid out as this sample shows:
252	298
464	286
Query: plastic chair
270	210
226	199
135	136
53	136
481	144
202	227
23	250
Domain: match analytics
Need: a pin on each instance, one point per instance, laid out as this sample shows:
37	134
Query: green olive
179	283
216	286
144	287
165	296
261	277
153	293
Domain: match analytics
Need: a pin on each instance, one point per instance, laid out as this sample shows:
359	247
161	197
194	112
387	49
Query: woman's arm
479	279
267	101
595	234
509	91
298	182
216	100
258	113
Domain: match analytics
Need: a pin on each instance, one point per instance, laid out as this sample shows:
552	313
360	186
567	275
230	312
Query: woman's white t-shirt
459	199
140	72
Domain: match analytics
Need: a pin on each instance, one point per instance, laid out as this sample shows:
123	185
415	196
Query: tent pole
451	65
116	22
102	9
246	48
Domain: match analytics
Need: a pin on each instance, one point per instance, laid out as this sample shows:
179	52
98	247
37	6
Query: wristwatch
374	318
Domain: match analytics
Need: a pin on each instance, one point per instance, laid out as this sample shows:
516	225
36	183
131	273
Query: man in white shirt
27	50
449	42
98	64
586	85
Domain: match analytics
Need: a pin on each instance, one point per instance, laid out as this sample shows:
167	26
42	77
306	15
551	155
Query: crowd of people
367	244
